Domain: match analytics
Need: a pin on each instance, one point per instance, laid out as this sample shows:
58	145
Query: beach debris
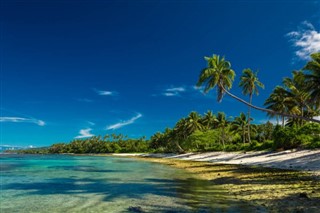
303	195
137	209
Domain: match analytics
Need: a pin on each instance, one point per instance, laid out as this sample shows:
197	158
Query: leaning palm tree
172	137
219	74
312	75
250	83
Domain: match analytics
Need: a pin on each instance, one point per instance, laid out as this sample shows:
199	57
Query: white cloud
306	39
106	93
173	91
41	123
85	133
170	94
176	89
123	123
22	120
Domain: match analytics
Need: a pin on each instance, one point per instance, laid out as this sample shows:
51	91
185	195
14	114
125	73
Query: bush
286	138
313	145
312	129
307	136
203	141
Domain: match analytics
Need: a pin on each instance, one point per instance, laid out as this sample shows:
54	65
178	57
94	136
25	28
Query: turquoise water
64	183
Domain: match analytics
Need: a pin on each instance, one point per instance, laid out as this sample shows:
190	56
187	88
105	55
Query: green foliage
264	131
203	141
108	144
285	138
310	129
307	136
30	151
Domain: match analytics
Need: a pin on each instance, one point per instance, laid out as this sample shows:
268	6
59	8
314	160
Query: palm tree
279	101
156	140
312	76
219	74
297	94
181	128
209	120
222	125
240	124
292	98
193	123
174	136
250	83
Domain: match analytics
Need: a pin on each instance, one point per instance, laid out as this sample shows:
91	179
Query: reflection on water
61	183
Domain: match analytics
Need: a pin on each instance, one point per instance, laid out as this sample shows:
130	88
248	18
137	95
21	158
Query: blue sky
73	69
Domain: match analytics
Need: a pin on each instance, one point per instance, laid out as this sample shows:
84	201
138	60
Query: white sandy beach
305	160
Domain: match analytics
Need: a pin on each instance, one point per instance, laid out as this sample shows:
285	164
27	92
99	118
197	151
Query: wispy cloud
173	91
106	92
85	133
91	123
124	123
168	94
199	89
176	89
306	39
22	120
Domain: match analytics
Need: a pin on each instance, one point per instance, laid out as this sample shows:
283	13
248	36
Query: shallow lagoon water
65	183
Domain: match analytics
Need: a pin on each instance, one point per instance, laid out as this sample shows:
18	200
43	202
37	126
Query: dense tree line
294	104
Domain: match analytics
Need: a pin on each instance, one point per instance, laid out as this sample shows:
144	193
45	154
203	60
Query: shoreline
277	181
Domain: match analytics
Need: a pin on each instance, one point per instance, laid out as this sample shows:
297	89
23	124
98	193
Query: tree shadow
303	161
254	154
298	203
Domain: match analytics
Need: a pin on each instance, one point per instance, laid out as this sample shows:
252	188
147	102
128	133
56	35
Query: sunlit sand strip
306	160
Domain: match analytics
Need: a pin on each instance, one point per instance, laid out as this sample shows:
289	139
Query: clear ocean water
65	183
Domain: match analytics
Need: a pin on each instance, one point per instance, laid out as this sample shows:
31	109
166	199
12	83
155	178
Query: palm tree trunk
223	137
243	136
249	135
302	114
282	121
180	150
268	110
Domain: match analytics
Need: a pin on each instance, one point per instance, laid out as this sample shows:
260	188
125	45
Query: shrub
286	138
